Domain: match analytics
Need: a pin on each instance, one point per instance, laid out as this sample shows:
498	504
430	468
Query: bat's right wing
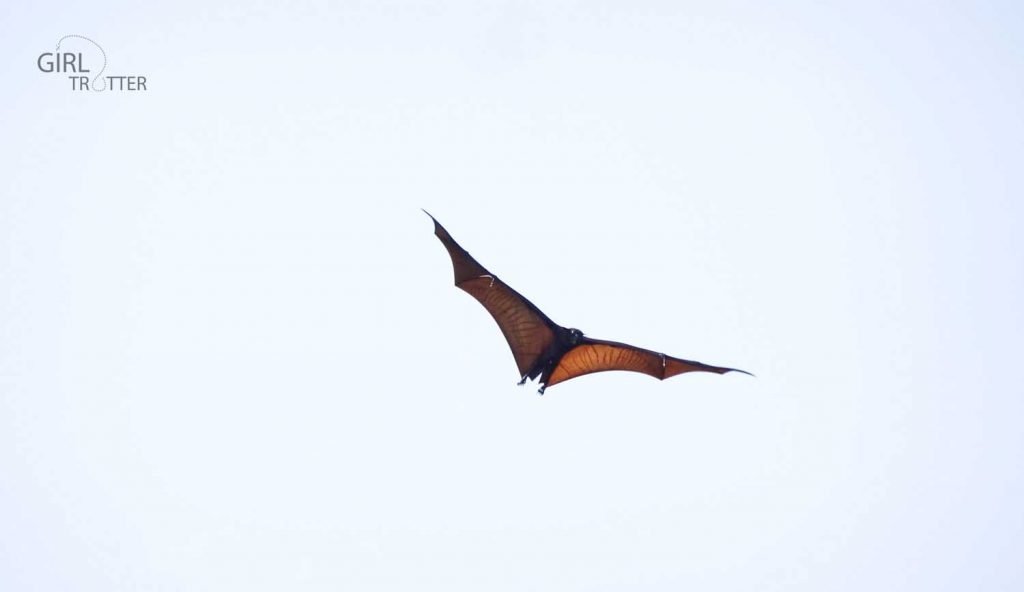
595	355
529	332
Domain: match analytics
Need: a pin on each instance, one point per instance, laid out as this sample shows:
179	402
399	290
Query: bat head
575	335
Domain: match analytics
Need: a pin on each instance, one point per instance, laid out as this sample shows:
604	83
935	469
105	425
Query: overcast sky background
231	355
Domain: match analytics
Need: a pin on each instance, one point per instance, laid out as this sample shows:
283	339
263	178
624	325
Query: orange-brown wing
528	331
594	355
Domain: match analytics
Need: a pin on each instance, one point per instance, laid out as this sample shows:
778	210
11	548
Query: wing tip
439	231
727	370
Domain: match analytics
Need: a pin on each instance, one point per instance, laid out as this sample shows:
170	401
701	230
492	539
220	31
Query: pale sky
231	354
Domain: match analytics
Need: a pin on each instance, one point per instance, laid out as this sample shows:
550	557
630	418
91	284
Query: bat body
545	350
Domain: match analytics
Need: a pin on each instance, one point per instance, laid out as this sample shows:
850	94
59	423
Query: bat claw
540	391
521	382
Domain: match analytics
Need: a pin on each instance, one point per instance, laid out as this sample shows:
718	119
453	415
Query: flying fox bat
544	349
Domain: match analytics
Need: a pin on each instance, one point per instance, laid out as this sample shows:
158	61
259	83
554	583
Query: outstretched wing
594	355
528	331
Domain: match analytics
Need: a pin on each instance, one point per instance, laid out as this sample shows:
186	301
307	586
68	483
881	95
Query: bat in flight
545	349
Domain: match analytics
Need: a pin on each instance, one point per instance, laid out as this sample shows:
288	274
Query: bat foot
540	391
521	382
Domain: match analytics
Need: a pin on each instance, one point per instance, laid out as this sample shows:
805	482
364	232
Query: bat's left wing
529	331
595	355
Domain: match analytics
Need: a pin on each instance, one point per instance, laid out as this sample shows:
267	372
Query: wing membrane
527	330
594	355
